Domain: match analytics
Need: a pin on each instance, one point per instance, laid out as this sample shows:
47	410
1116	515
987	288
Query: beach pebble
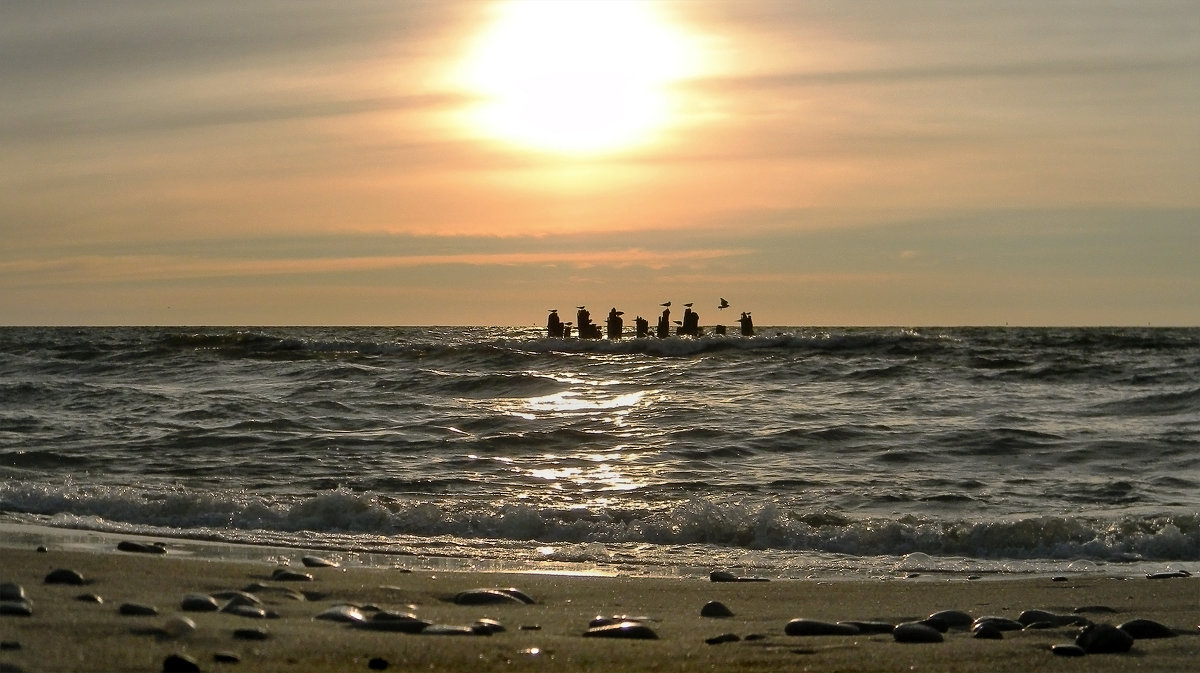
599	620
871	627
1067	650
1031	618
137	610
1001	623
726	576
1144	629
251	634
1058	578
632	630
318	562
492	597
1104	639
21	608
247	611
1094	609
393	621
1171	574
283	592
952	618
987	632
288	575
41	549
10	591
342	613
813	627
180	663
723	638
452	630
141	547
224	657
6	645
237	598
64	576
89	598
489	625
916	632
377	664
715	609
935	624
179	626
199	603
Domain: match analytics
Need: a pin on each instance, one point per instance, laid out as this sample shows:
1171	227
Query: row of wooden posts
615	324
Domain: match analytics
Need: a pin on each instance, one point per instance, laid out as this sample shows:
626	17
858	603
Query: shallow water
868	449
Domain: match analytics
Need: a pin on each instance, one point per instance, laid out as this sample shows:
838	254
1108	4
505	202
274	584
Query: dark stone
492	597
1001	623
342	613
64	576
726	576
871	627
1067	650
813	627
10	591
89	598
1104	639
1145	629
489	625
1058	578
318	562
286	575
715	609
9	645
633	630
141	547
1171	574
1049	619
723	638
377	664
452	630
21	608
750	637
41	549
226	657
600	620
248	611
137	610
180	663
916	632
238	597
251	634
934	623
199	603
987	632
953	618
385	620
1094	609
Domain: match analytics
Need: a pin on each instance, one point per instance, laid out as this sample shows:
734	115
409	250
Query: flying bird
724	304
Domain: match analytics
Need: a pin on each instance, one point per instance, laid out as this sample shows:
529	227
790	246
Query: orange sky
477	163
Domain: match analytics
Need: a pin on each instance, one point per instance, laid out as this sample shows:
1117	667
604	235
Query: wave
741	525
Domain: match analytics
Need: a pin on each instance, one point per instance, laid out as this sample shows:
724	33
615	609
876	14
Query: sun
578	77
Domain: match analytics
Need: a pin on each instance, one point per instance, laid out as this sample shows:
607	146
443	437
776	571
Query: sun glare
575	76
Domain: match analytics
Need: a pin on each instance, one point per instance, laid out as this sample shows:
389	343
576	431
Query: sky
361	162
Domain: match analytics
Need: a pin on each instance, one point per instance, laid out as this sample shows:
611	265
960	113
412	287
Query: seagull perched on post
667	304
724	304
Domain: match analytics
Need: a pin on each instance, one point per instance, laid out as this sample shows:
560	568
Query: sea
797	452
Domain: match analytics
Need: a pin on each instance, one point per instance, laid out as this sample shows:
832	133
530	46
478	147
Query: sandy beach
65	633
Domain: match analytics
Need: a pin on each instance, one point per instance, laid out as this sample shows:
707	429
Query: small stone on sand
64	576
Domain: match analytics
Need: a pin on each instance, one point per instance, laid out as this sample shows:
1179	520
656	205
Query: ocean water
800	451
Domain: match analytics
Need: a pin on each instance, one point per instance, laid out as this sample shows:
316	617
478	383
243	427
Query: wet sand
65	634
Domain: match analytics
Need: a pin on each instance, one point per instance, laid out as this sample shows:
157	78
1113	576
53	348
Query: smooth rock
141	547
288	575
1058	578
1002	623
814	627
1032	617
342	613
1094	609
10	591
1145	629
726	576
180	663
251	634
492	597
451	630
1067	650
953	618
1171	574
137	610
870	627
916	632
987	632
632	630
377	664
282	592
64	576
237	598
247	611
935	624
6	645
715	609
1104	639
226	657
723	638
178	627
21	608
393	621
489	625
89	598
41	549
600	620
199	603
318	562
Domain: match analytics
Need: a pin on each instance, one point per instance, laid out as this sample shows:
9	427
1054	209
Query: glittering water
798	450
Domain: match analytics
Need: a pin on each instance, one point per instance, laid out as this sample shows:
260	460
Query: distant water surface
802	450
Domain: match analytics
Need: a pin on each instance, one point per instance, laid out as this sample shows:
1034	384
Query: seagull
580	307
552	310
689	304
666	304
724	304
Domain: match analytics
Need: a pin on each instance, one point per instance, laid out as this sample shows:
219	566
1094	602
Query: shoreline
65	634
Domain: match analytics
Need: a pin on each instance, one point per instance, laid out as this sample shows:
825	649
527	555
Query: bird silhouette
665	304
724	304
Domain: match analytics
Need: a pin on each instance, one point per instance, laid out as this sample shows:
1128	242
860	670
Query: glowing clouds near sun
575	77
